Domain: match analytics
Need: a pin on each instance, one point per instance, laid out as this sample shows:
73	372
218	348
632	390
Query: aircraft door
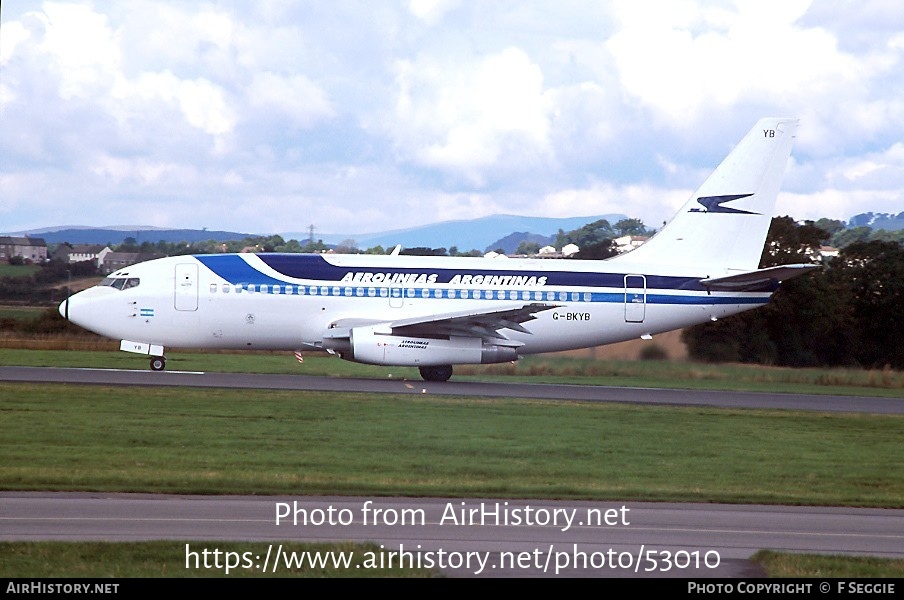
635	298
186	292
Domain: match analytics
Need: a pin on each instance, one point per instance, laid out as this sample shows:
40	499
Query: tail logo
713	204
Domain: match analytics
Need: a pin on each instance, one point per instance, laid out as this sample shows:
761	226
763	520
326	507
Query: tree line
848	313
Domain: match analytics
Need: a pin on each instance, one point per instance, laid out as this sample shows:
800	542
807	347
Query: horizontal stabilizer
759	280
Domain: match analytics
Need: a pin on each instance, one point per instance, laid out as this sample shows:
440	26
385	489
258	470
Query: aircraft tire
439	373
158	363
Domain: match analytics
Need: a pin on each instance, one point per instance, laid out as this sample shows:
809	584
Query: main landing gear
438	373
158	363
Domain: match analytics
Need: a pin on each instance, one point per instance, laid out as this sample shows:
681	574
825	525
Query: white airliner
435	312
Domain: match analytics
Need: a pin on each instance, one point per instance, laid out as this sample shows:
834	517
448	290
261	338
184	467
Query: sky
273	116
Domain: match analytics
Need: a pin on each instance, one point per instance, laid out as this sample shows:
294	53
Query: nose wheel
158	363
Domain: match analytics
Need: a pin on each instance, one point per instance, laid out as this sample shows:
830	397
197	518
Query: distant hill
102	235
476	234
483	234
886	221
509	244
473	234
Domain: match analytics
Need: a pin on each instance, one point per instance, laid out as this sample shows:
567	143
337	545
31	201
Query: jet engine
372	346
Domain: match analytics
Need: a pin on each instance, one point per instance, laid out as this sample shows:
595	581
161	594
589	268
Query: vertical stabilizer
724	224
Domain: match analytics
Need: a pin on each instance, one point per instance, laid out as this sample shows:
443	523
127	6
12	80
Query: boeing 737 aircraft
435	312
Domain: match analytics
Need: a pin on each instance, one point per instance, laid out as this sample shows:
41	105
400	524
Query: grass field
100	438
97	438
8	270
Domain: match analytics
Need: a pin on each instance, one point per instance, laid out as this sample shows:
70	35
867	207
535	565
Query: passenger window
213	288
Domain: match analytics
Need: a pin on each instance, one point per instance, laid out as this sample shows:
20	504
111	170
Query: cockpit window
121	283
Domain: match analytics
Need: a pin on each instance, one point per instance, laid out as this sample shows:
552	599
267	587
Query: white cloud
471	117
685	62
431	11
202	104
81	47
11	35
364	117
297	97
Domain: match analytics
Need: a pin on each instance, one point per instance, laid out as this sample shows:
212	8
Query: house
82	253
570	250
29	248
117	260
627	243
826	252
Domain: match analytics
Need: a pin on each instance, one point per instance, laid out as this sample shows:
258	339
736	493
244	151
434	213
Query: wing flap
485	324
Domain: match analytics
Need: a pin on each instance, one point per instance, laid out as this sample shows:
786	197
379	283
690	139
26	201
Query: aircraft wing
760	279
471	323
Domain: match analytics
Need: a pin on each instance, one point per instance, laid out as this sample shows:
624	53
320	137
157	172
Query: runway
515	538
574	393
601	539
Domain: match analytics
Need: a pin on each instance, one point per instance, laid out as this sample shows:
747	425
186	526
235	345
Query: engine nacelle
369	345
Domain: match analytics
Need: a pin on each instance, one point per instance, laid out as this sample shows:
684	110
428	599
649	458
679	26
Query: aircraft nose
64	309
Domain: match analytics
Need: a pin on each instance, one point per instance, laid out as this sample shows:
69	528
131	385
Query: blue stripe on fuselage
302	266
237	271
